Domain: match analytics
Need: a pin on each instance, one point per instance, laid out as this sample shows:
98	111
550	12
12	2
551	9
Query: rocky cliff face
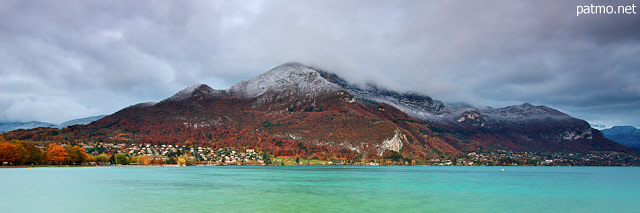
394	144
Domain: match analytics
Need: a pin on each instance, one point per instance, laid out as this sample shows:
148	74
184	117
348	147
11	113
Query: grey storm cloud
61	60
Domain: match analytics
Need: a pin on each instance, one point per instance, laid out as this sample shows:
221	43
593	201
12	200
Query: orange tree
28	152
56	154
8	153
77	155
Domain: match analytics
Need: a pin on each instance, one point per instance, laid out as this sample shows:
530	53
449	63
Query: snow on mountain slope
293	77
418	106
81	121
6	127
539	122
319	108
145	104
199	91
522	113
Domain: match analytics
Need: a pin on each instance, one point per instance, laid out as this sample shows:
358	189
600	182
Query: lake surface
320	189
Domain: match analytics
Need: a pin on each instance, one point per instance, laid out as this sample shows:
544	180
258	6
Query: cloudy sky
61	60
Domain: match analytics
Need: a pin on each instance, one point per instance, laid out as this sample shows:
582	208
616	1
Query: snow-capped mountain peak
290	76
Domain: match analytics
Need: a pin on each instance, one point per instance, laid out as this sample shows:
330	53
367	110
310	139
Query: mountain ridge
279	95
296	110
10	126
625	135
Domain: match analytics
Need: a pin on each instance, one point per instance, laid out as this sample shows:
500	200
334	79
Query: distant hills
625	135
10	126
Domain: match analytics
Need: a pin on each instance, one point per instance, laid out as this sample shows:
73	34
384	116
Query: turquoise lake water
320	189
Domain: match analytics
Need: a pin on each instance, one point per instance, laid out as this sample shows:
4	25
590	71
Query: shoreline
334	165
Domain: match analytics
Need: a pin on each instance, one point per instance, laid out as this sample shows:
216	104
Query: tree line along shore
29	153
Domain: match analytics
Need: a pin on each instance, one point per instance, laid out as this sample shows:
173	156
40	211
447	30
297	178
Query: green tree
103	158
121	158
408	161
188	160
265	158
392	155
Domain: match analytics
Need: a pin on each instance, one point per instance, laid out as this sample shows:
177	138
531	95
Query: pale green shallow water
321	189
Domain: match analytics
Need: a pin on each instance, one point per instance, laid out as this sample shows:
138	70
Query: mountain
522	127
81	121
200	91
290	110
290	80
625	135
294	109
10	126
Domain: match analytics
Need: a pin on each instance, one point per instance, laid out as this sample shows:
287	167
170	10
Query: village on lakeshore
100	153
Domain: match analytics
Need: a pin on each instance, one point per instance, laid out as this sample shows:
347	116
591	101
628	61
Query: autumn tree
56	154
28	152
172	160
158	161
143	160
8	153
192	161
92	159
77	155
